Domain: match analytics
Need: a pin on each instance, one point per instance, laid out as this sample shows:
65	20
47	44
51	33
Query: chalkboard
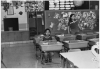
57	20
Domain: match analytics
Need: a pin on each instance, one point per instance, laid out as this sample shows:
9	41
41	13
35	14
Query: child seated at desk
48	37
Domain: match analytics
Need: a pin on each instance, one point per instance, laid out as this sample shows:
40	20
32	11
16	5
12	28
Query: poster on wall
10	10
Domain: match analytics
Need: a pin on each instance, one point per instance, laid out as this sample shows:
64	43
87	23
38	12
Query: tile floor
23	56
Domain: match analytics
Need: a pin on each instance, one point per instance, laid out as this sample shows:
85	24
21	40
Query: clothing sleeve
68	23
44	38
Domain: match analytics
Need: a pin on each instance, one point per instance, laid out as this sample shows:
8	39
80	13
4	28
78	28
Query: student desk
85	36
75	44
80	59
93	41
66	37
49	46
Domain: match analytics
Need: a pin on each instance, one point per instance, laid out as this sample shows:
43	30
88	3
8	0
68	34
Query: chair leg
42	58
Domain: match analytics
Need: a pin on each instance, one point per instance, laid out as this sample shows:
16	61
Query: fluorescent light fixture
56	8
72	5
67	6
61	5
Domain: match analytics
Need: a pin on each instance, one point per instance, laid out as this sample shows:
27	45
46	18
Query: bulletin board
57	20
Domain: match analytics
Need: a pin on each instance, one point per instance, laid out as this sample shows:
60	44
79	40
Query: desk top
82	59
82	34
49	43
75	41
50	46
94	39
66	35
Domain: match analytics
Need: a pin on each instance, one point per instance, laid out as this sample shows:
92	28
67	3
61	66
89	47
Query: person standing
73	24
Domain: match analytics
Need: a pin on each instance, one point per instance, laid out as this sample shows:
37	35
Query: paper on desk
66	41
45	43
58	42
60	35
41	35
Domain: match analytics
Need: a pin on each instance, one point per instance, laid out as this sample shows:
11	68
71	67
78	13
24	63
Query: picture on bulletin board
10	10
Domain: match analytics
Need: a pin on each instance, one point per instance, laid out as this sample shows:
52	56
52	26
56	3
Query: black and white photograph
50	34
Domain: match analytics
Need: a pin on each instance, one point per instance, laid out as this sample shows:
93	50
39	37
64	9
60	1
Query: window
60	4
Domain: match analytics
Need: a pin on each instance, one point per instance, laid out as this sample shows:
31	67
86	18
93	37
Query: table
66	37
75	44
80	59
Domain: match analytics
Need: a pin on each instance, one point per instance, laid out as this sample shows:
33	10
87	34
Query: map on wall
58	20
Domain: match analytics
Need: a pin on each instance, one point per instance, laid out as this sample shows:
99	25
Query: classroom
50	34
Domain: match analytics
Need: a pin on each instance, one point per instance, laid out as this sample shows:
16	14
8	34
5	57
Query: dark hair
46	30
70	19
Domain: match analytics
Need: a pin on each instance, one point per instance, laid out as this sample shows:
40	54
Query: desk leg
62	62
42	58
65	63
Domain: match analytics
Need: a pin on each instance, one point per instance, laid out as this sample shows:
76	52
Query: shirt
47	38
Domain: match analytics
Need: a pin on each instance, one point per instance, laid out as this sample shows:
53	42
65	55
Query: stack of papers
66	41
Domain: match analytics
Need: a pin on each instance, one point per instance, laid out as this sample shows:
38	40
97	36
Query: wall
22	19
23	33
